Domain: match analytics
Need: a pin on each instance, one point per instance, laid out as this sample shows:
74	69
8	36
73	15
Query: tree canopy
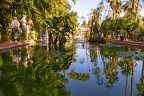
35	10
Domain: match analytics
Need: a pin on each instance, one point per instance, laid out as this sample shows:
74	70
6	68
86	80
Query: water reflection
22	57
16	57
127	62
78	76
109	68
140	85
81	70
26	74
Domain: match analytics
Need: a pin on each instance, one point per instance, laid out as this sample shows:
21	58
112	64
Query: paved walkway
9	45
132	43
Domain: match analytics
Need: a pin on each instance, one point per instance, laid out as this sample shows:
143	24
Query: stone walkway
131	43
9	45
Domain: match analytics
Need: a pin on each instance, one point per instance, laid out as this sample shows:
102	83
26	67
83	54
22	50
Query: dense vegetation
36	10
112	21
57	15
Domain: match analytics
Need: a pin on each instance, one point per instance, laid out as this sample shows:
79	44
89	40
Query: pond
79	69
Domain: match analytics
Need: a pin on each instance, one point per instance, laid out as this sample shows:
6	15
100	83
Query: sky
83	7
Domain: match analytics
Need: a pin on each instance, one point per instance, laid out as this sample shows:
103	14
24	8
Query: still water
79	69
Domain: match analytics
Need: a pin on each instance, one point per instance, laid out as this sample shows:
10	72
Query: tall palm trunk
133	4
50	39
74	1
137	11
116	6
125	93
132	78
91	29
55	40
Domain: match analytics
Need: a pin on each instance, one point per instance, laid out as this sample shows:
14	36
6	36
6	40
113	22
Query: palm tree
111	70
137	11
133	6
127	6
125	93
116	6
83	20
127	68
102	7
74	1
132	77
94	22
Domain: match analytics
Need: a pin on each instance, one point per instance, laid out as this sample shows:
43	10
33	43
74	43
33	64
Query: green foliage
1	61
0	36
35	10
42	77
126	66
112	25
105	26
78	76
112	74
110	51
126	23
129	22
94	22
62	26
116	6
140	87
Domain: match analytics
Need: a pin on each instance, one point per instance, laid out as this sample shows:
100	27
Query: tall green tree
133	6
116	6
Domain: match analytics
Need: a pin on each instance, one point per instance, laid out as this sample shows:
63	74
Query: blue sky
83	7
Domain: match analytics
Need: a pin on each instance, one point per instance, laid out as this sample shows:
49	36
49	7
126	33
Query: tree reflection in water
113	63
36	75
98	68
127	63
78	76
140	86
127	68
109	61
45	75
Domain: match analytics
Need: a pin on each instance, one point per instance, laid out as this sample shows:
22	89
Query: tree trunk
60	42
55	41
132	78
133	4
137	11
125	93
91	29
50	38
